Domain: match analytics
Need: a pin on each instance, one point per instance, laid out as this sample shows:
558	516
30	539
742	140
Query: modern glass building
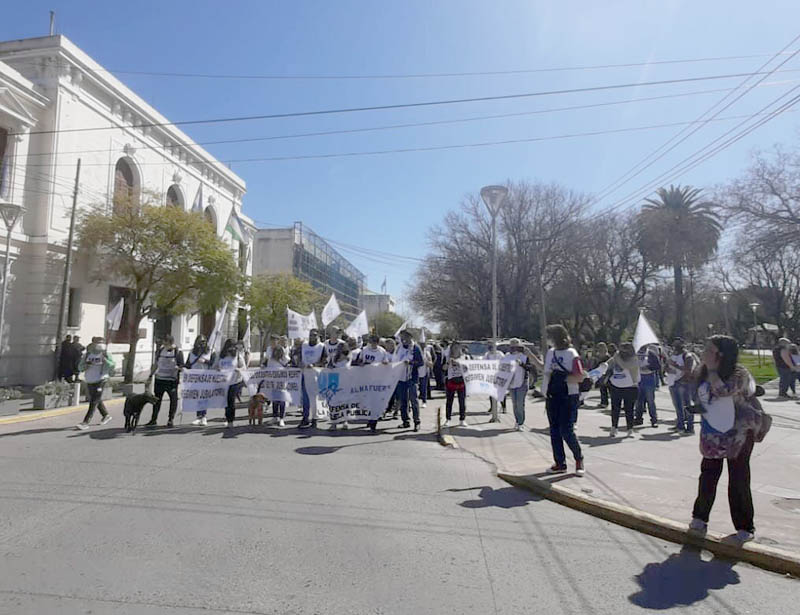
300	251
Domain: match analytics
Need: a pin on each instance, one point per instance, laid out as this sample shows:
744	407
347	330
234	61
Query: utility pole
62	312
493	197
543	310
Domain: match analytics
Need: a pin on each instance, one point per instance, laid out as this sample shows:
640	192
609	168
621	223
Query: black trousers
604	394
233	393
462	404
740	499
95	393
623	399
170	387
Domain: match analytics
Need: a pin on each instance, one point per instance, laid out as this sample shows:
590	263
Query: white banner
299	325
330	311
354	393
202	389
359	327
215	339
114	318
275	383
644	333
490	377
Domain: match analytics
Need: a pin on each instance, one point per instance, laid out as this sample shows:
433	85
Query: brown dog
255	408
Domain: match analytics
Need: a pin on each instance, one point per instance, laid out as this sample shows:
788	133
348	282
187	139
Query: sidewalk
656	471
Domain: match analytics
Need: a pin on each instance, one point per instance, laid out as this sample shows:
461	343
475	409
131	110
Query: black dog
133	408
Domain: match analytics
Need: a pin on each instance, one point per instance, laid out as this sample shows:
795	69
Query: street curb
46	414
444	439
769	558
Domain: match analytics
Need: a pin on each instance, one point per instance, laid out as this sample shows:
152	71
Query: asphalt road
208	521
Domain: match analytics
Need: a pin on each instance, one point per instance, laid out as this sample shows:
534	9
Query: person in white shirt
312	354
493	354
425	374
167	369
372	354
230	359
563	371
623	379
97	365
455	385
332	345
200	357
278	360
518	387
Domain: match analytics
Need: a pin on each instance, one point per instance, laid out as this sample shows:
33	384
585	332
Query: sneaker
82	426
151	423
613	433
517	427
424	405
462	423
580	470
630	433
406	424
106	419
557	469
203	422
281	423
446	423
698	526
304	425
197	421
230	424
653	423
346	425
169	423
743	536
416	426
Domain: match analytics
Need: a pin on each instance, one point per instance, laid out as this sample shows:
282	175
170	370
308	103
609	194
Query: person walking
167	369
455	386
97	366
231	359
649	368
518	387
200	357
563	371
409	352
623	383
373	354
731	422
312	354
783	363
680	366
601	356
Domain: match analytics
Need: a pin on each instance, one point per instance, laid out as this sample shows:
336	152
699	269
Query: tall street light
10	213
754	307
726	296
493	197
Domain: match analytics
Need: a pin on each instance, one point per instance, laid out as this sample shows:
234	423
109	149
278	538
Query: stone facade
58	105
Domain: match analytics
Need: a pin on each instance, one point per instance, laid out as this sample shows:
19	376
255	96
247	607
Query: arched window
174	197
125	184
211	217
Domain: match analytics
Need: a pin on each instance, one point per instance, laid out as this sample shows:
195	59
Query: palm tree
678	230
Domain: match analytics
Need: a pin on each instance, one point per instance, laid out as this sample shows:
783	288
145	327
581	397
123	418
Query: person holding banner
455	385
200	357
623	382
278	360
493	354
167	369
409	352
372	354
312	354
563	371
230	359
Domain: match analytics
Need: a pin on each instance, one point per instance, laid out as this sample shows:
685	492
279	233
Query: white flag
330	311
246	338
403	326
422	335
644	334
299	325
215	339
312	320
114	318
359	327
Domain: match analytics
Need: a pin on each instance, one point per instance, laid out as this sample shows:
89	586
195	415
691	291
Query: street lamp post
754	307
493	197
10	213
725	296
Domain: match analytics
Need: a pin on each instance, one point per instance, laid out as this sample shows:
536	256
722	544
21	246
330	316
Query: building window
127	332
174	197
125	185
5	164
74	308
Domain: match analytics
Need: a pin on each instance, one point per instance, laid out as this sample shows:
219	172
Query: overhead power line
414	105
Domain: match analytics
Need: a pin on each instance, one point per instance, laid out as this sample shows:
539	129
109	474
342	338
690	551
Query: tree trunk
679	317
131	362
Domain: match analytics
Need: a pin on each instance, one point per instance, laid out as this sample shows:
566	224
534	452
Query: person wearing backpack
97	366
623	379
732	420
563	372
167	369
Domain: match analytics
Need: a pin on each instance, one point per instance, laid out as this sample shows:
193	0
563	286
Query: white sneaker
346	425
107	419
744	536
82	426
230	424
698	526
518	427
424	405
630	433
203	422
446	423
197	422
613	432
462	423
281	423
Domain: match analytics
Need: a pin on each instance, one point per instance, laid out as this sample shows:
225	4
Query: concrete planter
48	402
10	407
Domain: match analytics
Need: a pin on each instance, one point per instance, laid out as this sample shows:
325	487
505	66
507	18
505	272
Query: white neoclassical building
58	105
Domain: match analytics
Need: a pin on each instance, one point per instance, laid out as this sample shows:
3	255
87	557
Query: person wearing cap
312	354
409	352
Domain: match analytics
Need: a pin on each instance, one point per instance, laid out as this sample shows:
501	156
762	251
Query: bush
54	388
7	394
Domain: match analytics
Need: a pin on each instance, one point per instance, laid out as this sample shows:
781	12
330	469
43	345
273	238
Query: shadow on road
681	580
506	497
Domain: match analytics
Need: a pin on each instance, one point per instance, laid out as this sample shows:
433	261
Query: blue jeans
562	412
681	393
787	378
423	388
647	396
518	402
407	391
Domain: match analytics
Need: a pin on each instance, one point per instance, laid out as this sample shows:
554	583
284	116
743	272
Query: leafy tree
171	259
386	324
680	231
269	295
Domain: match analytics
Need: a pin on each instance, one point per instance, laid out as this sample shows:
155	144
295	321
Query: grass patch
762	374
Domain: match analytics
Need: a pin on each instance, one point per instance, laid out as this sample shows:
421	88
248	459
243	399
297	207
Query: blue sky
388	202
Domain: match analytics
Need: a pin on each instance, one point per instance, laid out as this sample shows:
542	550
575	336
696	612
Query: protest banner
488	377
202	389
354	393
299	325
330	311
275	383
